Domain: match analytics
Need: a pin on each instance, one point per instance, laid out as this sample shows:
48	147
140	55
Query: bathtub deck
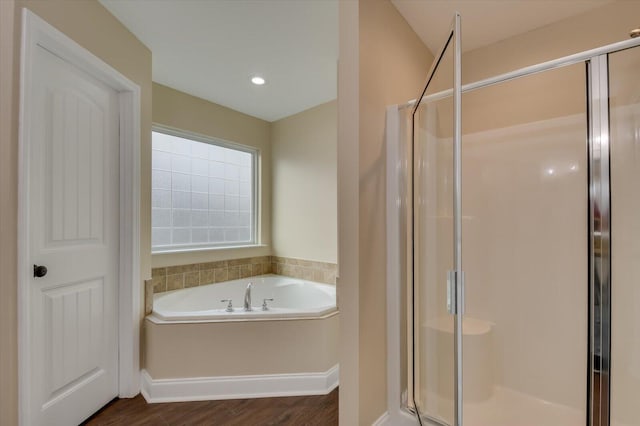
298	411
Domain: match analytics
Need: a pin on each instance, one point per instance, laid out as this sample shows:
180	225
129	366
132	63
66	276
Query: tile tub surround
320	272
185	276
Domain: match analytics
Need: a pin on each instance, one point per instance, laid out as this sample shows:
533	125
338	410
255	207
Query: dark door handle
39	271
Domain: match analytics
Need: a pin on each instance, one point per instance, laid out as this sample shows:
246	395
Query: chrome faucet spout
247	298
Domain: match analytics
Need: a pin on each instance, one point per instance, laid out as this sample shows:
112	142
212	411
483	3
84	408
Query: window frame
254	198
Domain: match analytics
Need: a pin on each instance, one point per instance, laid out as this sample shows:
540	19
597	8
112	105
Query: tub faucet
247	298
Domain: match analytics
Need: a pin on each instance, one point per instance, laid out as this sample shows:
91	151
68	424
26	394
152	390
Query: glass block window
203	193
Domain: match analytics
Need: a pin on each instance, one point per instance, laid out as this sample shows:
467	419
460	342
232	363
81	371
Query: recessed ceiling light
258	81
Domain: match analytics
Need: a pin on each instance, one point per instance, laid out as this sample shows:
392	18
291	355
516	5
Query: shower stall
515	240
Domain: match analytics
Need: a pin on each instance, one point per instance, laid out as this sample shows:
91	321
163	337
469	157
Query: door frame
38	34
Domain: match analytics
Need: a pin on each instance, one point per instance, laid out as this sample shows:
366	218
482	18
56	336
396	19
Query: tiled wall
184	276
320	272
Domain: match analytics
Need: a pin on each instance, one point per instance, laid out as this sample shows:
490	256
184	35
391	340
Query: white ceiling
212	48
486	21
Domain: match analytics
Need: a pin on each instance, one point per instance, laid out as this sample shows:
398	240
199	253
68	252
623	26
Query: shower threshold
507	407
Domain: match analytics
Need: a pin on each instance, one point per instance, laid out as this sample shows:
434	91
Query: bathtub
195	350
292	298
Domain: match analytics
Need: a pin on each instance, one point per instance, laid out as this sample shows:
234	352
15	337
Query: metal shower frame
599	232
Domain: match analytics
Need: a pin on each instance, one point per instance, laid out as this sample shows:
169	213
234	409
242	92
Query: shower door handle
452	293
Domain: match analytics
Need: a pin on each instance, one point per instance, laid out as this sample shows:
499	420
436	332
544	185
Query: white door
73	230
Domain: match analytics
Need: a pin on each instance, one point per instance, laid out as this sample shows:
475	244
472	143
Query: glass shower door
525	221
436	272
550	192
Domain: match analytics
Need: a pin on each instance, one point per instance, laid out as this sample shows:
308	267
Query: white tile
180	182
200	167
231	235
244	219
245	174
200	184
196	190
200	235
231	203
180	163
231	171
245	159
216	235
231	218
160	236
216	169
160	217
245	189
231	156
200	201
216	218
244	204
231	187
244	234
181	200
216	202
181	236
160	179
161	198
180	145
216	153
160	160
216	186
199	218
181	218
161	142
200	150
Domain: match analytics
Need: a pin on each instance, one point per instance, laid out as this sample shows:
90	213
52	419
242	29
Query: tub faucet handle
229	306
264	304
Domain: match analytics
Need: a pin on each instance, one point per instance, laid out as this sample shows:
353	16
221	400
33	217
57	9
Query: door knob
39	271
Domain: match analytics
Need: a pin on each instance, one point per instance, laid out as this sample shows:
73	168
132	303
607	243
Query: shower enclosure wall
548	320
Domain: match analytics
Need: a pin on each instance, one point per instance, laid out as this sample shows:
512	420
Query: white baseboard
238	387
382	420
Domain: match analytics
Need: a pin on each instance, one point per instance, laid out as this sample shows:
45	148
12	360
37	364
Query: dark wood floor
298	411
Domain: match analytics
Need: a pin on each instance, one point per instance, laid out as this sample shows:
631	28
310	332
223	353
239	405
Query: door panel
437	352
525	219
75	321
74	204
433	254
73	228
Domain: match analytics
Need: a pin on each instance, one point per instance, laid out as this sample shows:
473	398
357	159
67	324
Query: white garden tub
293	298
194	350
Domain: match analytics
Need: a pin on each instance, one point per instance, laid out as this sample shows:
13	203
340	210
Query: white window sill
206	249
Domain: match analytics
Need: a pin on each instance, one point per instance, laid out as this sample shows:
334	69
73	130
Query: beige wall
348	244
304	181
598	27
393	67
241	348
180	111
93	27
